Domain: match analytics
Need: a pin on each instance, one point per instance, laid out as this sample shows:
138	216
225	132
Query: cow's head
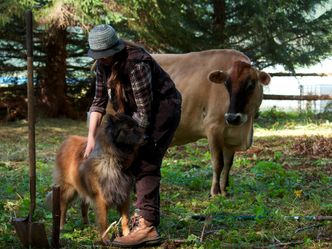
244	85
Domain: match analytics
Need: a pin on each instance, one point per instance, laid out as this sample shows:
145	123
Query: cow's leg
228	156
217	163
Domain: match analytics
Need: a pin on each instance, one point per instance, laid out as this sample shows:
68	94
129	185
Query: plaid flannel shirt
140	78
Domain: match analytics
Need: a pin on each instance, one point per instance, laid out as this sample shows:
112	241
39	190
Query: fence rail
297	97
22	90
281	74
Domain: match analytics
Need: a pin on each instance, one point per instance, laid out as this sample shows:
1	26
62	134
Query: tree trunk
219	9
53	99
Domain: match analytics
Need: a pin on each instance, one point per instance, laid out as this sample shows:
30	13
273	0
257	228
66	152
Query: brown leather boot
142	234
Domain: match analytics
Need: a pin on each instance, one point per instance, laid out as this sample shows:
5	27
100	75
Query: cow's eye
228	83
251	85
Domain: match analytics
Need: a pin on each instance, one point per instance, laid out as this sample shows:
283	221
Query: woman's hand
89	147
95	119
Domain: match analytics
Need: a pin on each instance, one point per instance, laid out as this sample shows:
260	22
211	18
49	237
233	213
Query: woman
134	83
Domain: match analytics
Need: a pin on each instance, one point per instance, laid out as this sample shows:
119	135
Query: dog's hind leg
124	213
84	211
67	194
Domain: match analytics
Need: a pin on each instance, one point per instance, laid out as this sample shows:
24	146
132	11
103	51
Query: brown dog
101	179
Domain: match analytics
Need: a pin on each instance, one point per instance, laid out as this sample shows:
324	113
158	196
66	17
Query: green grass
276	119
274	181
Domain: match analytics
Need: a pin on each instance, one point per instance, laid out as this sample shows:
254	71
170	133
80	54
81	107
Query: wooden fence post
56	217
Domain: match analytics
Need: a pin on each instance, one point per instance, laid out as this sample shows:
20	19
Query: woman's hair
114	81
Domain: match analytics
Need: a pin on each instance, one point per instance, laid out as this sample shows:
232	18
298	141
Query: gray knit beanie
104	42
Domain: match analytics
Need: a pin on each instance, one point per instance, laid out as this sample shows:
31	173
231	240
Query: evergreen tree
59	47
289	33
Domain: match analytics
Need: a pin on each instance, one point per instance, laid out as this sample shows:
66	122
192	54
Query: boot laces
136	222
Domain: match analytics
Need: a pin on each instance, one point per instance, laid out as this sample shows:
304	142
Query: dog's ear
121	137
107	128
110	120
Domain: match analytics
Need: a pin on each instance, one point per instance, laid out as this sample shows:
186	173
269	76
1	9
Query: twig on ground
307	228
316	218
115	223
280	244
173	243
207	221
179	241
203	233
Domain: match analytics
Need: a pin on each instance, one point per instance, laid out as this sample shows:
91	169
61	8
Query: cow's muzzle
235	119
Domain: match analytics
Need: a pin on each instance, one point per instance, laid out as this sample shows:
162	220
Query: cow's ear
264	78
218	76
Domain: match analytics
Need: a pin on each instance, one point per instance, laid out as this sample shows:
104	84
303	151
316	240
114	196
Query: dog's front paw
125	231
103	243
106	242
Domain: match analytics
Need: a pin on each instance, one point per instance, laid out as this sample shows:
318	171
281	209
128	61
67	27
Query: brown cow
221	94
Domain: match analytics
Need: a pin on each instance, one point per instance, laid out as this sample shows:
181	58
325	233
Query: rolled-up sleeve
140	78
100	99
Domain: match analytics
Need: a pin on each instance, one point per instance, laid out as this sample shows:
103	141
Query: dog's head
122	133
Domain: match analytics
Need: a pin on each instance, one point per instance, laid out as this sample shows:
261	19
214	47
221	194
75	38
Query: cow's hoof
86	222
215	191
